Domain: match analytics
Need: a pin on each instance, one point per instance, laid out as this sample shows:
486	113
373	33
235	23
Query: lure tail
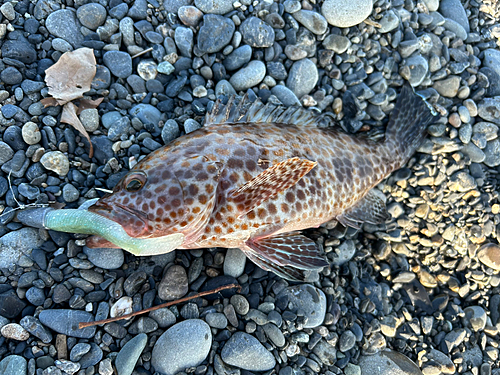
407	126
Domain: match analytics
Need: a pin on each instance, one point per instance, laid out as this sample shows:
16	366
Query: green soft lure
86	222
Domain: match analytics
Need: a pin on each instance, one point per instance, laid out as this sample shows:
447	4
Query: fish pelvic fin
370	209
286	272
270	182
289	249
407	126
239	110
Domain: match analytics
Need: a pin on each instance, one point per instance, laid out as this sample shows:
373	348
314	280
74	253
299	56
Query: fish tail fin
407	126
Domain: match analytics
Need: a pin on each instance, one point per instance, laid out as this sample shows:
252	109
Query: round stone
475	317
31	133
246	352
91	15
346	13
14	365
448	87
313	21
489	255
415	70
190	15
56	161
302	78
249	76
119	63
186	344
90	119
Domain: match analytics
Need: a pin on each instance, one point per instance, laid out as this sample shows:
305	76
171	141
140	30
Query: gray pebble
215	33
337	43
14	365
214	6
239	57
128	355
257	33
246	352
91	15
249	76
184	345
454	10
34	327
66	322
388	22
285	96
417	68
216	320
70	193
234	262
184	39
312	21
90	119
346	13
170	131
489	110
302	78
119	63
174	284
64	24
104	258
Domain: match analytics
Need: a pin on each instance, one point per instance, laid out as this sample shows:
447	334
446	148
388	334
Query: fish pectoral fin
270	182
94	242
289	249
370	209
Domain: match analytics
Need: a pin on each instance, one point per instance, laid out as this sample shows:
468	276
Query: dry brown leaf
69	116
88	104
72	75
49	102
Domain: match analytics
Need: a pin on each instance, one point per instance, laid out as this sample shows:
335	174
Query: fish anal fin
370	209
94	242
270	182
289	249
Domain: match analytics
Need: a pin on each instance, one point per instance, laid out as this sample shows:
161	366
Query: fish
256	175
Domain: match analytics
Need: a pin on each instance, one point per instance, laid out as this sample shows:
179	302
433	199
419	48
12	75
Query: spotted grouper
255	176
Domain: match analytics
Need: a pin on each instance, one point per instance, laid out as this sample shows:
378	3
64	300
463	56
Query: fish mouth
133	221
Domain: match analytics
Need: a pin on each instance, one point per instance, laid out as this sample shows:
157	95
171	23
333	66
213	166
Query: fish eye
135	182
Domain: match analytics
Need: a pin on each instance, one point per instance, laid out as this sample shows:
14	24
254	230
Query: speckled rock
56	161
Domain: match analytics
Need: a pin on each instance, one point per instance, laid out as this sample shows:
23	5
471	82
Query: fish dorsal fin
270	182
247	111
370	209
289	249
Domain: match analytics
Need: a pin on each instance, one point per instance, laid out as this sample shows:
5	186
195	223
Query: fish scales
256	175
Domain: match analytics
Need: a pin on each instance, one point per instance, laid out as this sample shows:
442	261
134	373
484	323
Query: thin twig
167	304
104	190
142	52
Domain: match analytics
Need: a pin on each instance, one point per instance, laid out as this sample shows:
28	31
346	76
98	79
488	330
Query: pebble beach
418	295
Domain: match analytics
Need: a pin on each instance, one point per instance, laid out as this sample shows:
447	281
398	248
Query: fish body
256	175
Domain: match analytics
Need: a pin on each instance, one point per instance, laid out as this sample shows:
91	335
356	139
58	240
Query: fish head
162	196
